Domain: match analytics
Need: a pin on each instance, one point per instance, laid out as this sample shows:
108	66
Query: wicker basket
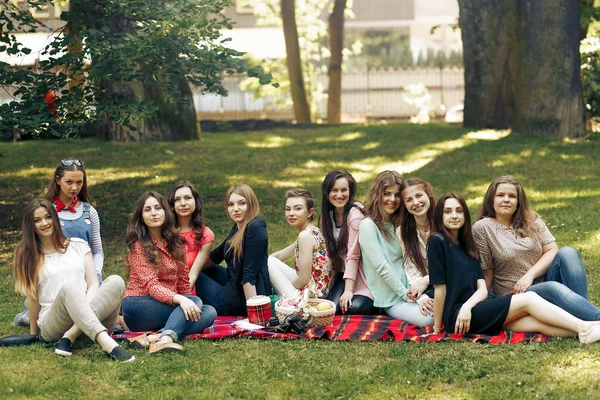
320	318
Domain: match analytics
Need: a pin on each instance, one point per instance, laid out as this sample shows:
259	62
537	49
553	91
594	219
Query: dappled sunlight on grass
591	242
254	180
546	205
551	195
506	159
100	176
488	134
423	155
160	179
271	142
573	368
371	146
571	156
346	137
28	172
311	164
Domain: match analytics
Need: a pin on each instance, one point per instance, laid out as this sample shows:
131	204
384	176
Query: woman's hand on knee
190	309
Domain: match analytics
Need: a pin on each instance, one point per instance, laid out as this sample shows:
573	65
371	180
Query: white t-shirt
60	269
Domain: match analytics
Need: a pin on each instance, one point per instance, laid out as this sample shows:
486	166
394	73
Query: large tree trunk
294	62
336	43
549	99
173	121
522	66
488	34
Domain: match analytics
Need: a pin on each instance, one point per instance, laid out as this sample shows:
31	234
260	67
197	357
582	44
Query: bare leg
530	303
530	324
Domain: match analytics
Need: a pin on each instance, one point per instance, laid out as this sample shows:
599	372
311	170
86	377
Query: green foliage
106	45
590	75
314	51
562	183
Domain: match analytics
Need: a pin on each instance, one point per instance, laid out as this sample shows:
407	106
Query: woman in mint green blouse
381	251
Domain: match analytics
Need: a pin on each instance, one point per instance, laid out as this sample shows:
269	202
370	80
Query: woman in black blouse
461	293
245	251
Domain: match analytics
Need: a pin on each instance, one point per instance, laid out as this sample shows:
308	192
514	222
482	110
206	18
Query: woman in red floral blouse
158	294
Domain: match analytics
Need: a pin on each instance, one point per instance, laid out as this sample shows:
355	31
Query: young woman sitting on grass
381	251
68	193
245	250
418	205
461	294
58	276
158	296
340	218
312	267
184	201
518	252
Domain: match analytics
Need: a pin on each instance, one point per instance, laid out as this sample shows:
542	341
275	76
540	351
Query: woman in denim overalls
68	193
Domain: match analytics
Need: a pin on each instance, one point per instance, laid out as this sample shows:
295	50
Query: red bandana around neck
61	206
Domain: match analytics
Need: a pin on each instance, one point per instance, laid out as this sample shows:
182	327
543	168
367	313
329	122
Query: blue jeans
208	287
566	286
143	313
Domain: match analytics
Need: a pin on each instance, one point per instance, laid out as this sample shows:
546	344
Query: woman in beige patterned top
518	252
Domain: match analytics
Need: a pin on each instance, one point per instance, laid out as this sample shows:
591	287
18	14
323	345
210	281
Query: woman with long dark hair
198	239
461	301
418	205
340	218
158	295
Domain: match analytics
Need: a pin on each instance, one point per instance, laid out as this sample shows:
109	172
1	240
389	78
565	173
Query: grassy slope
561	179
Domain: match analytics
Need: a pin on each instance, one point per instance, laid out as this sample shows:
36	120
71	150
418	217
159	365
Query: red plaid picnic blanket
358	328
380	327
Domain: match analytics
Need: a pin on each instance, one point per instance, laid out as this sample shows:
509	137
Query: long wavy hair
196	219
375	196
408	227
337	249
236	242
137	231
53	188
29	257
523	220
465	236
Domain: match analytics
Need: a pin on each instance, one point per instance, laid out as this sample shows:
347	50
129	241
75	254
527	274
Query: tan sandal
158	347
140	342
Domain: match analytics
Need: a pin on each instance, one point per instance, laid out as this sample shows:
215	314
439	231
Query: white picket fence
365	94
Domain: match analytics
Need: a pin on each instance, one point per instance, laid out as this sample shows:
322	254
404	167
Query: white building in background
414	17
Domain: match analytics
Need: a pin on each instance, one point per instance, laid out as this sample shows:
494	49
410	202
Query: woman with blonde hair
58	276
518	252
381	251
245	250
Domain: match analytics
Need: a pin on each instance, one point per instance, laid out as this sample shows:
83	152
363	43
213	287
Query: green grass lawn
561	178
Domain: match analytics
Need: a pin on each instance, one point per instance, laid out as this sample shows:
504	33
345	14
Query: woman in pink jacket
340	217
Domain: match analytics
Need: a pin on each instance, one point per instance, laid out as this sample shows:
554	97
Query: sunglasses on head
68	163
